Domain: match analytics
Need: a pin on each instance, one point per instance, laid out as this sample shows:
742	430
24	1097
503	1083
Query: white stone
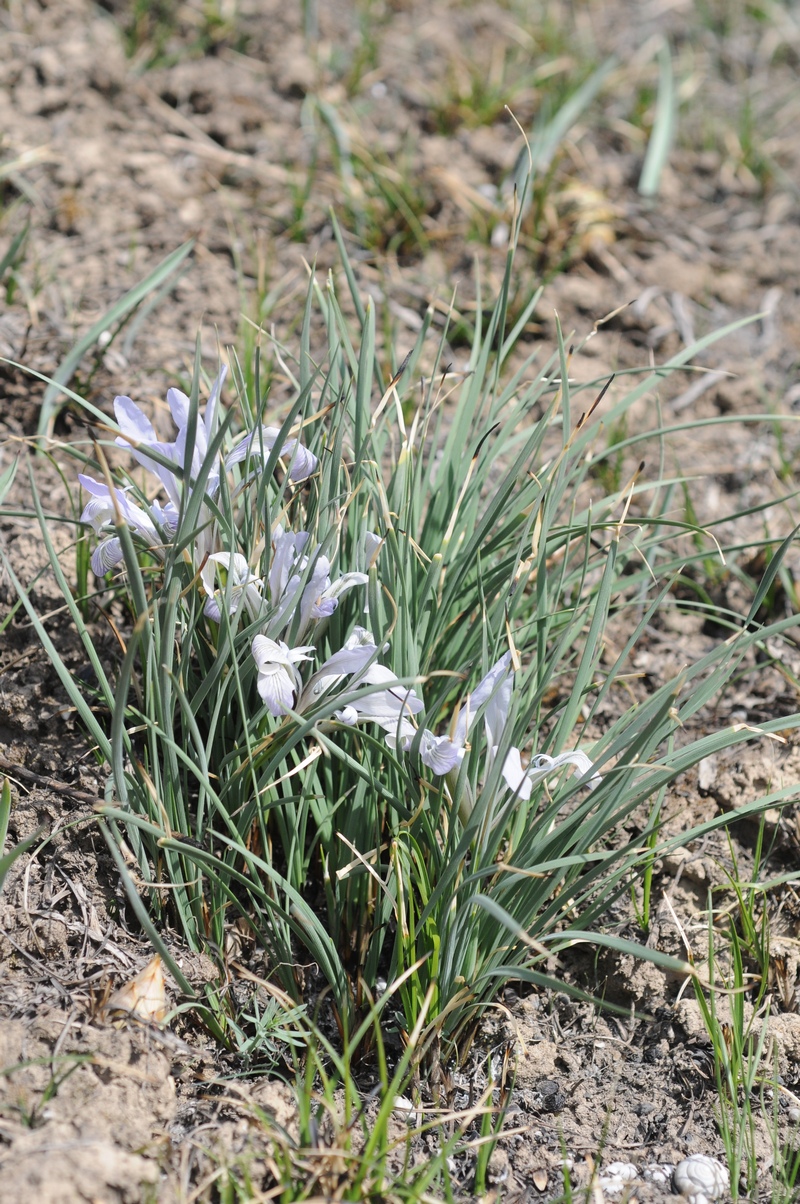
660	1175
616	1176
701	1179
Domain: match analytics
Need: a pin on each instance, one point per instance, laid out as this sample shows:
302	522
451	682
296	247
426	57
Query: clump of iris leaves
364	645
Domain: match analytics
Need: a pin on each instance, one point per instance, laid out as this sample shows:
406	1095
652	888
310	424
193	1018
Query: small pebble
540	1179
794	1115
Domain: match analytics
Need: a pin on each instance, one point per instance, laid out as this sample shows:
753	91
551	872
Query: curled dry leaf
144	997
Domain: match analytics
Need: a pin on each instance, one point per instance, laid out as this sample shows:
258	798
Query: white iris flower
442	754
279	681
221	567
522	781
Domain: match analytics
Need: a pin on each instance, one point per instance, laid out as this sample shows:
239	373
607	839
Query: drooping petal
212	609
516	777
577	760
522	781
303	463
166	516
277	685
106	556
100	508
323	607
267	651
495	688
439	753
99	512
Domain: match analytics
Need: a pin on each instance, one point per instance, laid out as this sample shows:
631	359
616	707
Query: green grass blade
664	129
115	314
8	859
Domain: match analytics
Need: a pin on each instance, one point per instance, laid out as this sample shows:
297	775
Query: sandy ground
240	132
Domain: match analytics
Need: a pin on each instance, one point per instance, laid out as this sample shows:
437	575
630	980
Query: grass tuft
361	714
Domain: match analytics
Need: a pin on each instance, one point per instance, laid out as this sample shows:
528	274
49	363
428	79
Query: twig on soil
696	390
15	771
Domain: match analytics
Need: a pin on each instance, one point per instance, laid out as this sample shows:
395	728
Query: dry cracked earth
128	129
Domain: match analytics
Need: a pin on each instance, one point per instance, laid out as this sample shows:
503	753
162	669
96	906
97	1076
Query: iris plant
298	593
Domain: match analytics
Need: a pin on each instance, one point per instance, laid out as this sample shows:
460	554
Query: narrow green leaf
115	314
662	135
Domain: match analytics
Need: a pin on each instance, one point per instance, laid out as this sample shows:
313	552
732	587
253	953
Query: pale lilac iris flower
292	588
225	575
102	511
259	444
391	705
442	754
138	434
280	685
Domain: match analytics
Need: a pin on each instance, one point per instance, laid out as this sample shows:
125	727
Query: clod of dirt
95	1095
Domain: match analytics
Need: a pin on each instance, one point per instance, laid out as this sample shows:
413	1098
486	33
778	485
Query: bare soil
118	160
